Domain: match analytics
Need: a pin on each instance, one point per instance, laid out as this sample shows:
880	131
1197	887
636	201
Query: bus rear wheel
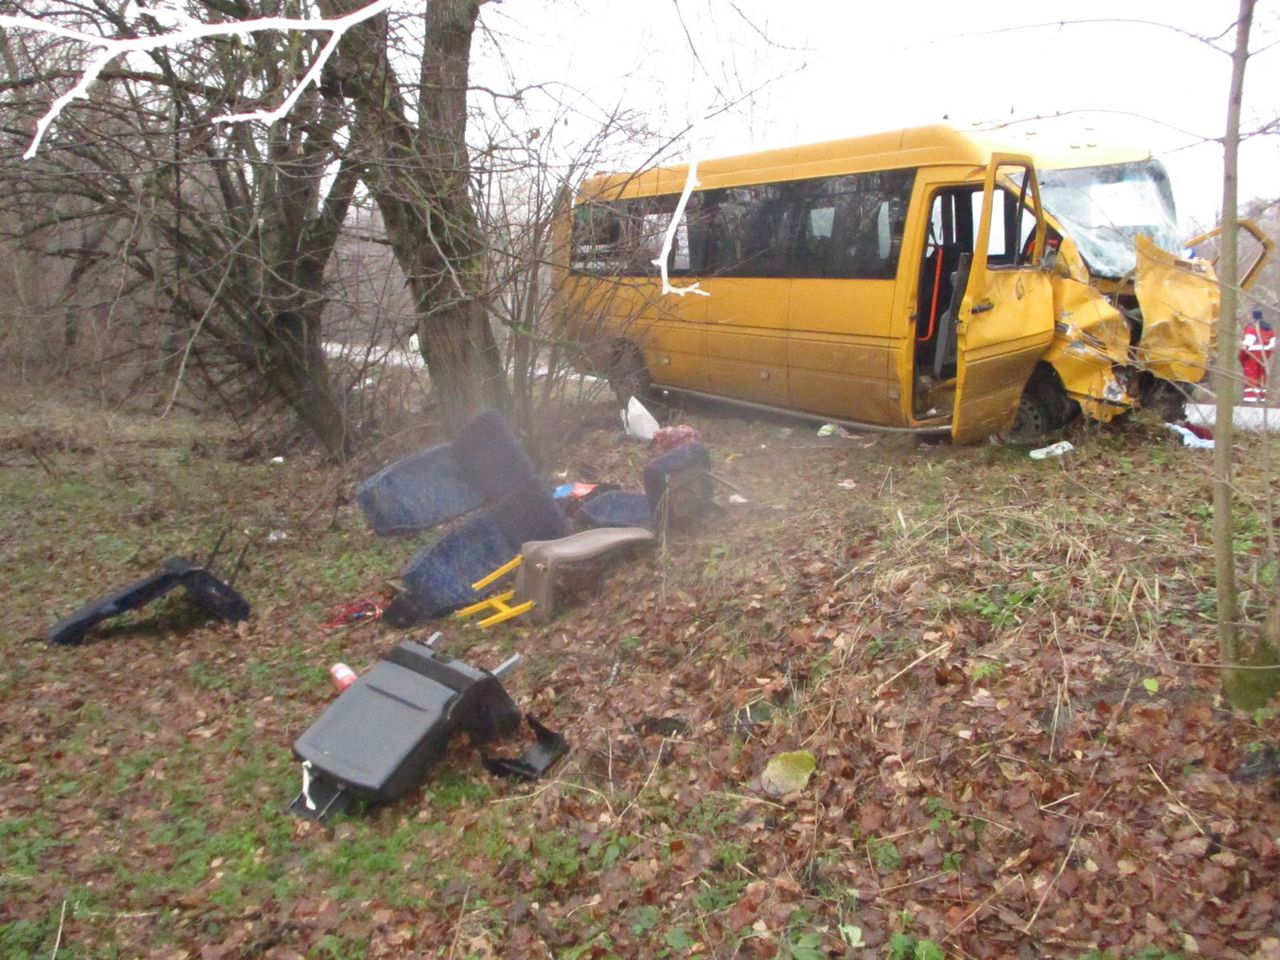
628	375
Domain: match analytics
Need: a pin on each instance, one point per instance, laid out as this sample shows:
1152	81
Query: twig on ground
976	910
1051	884
457	927
57	941
1195	822
914	663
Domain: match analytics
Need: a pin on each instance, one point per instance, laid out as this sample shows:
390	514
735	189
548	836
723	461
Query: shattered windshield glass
1104	209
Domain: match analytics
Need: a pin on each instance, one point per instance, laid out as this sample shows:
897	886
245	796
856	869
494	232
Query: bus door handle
978	308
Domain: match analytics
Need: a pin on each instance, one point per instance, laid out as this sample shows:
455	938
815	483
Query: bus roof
933	145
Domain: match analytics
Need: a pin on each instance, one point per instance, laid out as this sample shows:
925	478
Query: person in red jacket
1256	347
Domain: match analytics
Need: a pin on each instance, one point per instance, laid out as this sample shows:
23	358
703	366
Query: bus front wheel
1043	409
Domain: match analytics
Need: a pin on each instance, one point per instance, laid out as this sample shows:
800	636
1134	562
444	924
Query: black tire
1032	421
628	375
1043	409
1167	400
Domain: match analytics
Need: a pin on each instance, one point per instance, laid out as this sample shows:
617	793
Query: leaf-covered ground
1004	669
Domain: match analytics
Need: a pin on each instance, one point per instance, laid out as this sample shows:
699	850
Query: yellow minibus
925	279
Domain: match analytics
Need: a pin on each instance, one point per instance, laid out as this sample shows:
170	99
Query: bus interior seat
930	311
944	357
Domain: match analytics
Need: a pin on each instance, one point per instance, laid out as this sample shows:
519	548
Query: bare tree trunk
420	178
1245	686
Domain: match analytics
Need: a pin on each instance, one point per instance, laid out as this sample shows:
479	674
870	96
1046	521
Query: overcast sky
821	69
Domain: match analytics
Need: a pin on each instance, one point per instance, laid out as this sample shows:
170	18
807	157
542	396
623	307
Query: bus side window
749	230
597	236
851	226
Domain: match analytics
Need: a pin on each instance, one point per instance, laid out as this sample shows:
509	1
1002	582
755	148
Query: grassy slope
997	663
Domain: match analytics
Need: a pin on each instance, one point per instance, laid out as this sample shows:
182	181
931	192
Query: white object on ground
1054	450
736	498
846	484
277	459
637	421
1189	439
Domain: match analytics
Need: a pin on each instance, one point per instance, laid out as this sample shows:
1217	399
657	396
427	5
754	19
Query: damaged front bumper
1090	349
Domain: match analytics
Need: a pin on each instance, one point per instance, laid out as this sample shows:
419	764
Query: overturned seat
543	559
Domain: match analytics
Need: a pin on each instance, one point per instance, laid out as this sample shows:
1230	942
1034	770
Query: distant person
1256	347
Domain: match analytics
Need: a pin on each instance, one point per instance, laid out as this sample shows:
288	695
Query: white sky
832	69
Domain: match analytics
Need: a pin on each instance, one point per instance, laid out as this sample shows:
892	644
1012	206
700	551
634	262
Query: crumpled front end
1180	303
1090	349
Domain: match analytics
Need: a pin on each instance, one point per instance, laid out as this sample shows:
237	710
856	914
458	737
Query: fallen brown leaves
962	641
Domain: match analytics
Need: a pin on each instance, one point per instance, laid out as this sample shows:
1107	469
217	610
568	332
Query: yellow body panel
1005	324
746	338
840	349
1179	300
1000	348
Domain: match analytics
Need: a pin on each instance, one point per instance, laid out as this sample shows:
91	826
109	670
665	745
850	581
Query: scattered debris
277	536
536	568
484	472
574	491
638	422
571	496
215	596
483	464
1191	437
788	772
1053	450
390	726
668	438
836	430
364	610
343	676
677	490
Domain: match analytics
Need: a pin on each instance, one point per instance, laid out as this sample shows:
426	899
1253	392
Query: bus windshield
1104	209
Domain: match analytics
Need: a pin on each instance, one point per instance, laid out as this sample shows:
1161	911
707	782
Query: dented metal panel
1179	301
1091	340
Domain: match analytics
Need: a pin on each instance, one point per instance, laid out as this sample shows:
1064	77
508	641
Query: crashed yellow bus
925	279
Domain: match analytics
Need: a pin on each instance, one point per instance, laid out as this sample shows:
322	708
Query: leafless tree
231	226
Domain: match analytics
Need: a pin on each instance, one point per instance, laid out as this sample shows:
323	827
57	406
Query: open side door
1005	321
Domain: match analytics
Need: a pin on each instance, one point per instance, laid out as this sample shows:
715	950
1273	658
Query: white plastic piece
306	785
1054	450
638	422
1189	439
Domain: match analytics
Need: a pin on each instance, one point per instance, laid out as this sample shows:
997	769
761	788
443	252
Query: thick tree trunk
296	368
297	244
420	178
